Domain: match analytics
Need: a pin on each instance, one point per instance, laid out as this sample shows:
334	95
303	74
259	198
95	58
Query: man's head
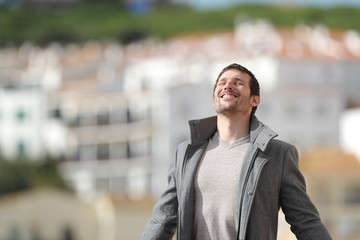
238	90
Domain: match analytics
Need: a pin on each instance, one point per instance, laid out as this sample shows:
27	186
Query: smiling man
230	178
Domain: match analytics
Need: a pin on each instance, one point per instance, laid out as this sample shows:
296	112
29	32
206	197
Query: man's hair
254	84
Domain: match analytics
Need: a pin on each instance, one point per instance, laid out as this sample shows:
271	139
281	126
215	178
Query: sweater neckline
217	140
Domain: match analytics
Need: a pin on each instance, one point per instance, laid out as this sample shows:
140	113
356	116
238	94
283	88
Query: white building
22	114
26	128
303	114
124	142
350	131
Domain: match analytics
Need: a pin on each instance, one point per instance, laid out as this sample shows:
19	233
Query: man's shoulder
274	141
280	142
276	145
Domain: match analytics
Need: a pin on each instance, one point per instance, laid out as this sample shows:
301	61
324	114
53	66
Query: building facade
115	113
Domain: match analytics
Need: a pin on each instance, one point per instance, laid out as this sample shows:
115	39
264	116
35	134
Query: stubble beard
240	106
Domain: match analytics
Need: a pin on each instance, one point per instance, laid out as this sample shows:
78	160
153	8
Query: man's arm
163	222
299	211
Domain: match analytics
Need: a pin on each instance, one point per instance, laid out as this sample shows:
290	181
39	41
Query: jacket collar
203	129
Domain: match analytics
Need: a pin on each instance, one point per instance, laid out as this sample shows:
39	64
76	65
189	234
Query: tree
21	174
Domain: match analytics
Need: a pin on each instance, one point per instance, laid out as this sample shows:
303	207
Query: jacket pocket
262	226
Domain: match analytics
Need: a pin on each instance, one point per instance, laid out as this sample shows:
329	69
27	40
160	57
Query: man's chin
226	111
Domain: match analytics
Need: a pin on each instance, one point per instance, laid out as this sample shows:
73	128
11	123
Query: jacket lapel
187	197
260	136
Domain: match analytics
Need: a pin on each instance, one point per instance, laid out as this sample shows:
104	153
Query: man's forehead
234	73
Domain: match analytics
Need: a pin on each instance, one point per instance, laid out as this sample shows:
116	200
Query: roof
329	160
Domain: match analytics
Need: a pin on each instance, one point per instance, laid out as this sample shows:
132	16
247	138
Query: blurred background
95	95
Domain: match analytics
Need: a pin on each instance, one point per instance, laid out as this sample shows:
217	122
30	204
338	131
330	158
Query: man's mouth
228	95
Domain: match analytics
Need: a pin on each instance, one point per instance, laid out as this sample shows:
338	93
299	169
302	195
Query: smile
228	95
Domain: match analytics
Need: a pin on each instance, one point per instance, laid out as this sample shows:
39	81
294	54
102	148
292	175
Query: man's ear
255	100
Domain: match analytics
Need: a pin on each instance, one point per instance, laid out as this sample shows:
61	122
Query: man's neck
231	129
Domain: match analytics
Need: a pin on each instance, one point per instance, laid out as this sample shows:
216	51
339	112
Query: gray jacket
269	179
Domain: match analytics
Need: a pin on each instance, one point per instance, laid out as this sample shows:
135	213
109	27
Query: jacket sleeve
299	211
163	222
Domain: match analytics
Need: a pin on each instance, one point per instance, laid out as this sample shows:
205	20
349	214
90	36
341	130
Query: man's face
232	93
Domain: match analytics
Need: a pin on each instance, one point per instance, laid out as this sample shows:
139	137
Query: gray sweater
216	187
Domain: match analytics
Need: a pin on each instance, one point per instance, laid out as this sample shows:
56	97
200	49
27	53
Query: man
230	179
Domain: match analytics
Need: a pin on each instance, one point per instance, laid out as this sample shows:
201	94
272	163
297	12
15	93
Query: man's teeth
228	96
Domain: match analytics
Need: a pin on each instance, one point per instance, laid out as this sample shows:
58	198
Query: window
118	116
87	152
21	147
119	150
21	115
87	119
73	155
139	111
67	234
74	122
139	148
83	119
103	118
129	117
103	151
352	195
55	113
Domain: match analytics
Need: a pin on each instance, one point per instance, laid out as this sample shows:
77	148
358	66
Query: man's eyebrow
239	79
222	79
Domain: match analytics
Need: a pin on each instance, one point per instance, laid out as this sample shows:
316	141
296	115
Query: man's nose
228	85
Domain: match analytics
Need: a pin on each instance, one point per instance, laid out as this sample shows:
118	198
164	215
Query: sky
218	4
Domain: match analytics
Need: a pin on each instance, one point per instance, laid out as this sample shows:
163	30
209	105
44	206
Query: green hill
108	21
